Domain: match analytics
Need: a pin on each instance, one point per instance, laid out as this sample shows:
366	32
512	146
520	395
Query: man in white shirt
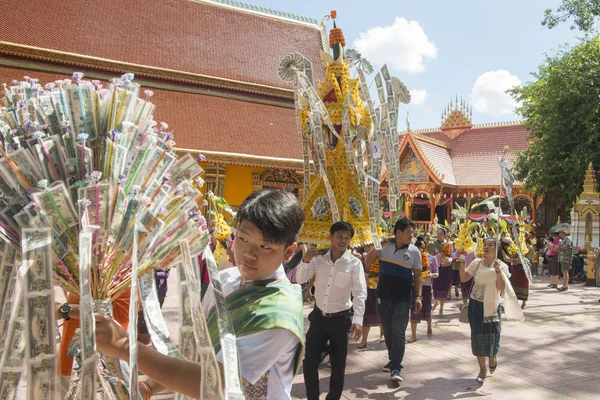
338	275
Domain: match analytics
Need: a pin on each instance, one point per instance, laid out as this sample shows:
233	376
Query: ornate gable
414	164
411	168
456	119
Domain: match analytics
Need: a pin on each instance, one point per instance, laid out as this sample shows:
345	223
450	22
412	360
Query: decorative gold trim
217	157
97	63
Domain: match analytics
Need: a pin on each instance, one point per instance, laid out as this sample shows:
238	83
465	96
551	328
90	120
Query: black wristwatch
65	310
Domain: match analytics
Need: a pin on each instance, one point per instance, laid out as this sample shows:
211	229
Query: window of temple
215	181
520	202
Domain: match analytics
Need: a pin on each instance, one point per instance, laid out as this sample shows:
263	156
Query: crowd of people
354	290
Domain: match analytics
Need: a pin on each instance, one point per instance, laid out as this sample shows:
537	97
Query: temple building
213	68
459	161
211	64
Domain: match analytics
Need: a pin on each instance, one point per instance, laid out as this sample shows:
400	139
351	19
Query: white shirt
335	282
269	351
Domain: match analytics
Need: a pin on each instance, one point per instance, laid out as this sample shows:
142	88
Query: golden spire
589	183
456	118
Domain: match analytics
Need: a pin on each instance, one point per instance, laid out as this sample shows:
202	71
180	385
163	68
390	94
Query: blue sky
440	49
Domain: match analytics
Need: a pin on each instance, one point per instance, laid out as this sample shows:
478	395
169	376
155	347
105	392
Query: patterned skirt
485	337
441	284
371	318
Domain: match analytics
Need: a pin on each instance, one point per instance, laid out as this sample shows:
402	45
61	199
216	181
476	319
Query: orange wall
238	183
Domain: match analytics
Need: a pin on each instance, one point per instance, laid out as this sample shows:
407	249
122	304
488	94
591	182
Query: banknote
37	259
210	384
153	316
9	384
39	311
13	355
187	343
186	168
42	379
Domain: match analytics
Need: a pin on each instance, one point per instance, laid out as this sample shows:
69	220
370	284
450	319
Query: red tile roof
213	123
441	161
190	36
475	153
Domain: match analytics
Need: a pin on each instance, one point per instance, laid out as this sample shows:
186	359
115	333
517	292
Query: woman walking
490	279
371	318
518	278
428	262
443	250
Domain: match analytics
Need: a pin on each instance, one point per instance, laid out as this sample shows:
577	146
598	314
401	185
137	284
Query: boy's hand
111	338
356	332
433	276
310	254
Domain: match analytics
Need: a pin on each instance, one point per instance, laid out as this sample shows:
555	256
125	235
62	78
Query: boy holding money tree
269	323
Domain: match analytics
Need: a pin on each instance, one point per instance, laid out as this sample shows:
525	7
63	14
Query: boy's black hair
277	214
342	226
402	224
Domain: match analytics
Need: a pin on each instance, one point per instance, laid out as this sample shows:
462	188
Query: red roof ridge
501	124
433	141
498	124
263	11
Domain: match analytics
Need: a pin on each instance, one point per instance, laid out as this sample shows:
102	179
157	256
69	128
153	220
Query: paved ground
552	355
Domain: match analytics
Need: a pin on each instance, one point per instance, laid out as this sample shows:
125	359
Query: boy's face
255	258
340	240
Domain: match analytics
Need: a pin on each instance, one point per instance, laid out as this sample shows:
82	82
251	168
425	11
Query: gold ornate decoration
411	169
284	178
410	141
456	119
589	200
413	189
97	63
279	178
245	160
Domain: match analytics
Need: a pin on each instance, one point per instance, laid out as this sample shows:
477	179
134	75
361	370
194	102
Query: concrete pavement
552	355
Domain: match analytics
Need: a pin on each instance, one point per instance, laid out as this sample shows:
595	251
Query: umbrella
558	227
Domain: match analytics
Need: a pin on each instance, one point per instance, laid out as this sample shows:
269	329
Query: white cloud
403	46
489	93
418	96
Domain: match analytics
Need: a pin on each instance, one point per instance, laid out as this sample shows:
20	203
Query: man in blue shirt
398	263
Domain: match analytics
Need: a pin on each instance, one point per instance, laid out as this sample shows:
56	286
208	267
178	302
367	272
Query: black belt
344	313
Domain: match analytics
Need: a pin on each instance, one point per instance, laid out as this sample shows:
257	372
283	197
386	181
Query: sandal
493	369
412	340
362	346
480	378
562	289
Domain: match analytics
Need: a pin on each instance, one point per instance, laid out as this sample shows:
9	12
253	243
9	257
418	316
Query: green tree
583	12
563	108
